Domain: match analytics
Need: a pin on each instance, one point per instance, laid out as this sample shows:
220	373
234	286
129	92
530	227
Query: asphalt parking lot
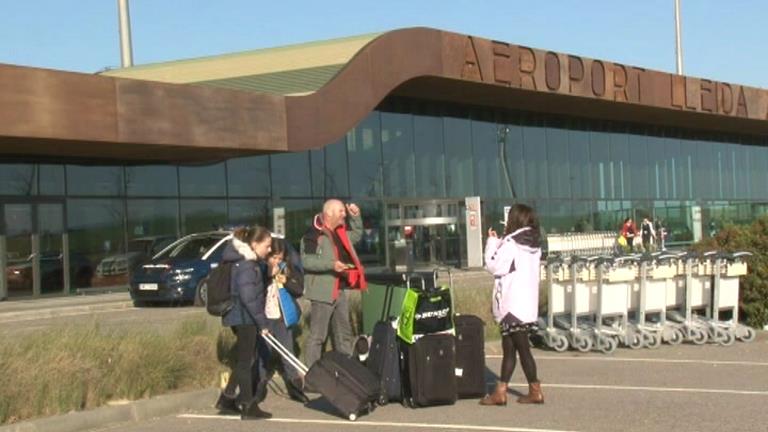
682	388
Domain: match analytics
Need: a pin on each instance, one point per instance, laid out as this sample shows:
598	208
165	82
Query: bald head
334	213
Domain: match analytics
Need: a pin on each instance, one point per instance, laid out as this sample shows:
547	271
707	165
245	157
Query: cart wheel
582	343
635	341
606	345
352	417
559	343
724	337
749	335
699	337
652	340
677	337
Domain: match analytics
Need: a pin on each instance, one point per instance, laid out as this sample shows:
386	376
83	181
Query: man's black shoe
253	412
227	405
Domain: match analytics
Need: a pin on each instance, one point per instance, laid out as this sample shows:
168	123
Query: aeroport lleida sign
503	64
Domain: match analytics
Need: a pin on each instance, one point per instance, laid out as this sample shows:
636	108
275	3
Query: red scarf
355	276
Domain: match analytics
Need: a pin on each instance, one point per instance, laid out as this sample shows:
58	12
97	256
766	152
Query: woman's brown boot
534	396
498	397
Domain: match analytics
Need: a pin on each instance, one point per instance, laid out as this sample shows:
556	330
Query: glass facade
580	175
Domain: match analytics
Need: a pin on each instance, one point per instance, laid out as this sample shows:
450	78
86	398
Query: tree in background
754	286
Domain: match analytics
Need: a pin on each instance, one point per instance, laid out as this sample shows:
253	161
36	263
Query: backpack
219	293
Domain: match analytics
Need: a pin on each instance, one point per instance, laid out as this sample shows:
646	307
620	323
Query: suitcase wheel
352	417
383	399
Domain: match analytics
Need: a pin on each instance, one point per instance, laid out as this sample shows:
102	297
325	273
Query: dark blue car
178	273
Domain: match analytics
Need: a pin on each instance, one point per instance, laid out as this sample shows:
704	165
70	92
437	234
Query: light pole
678	43
126	51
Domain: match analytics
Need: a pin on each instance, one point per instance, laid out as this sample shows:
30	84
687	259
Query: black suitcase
470	356
429	371
343	381
384	355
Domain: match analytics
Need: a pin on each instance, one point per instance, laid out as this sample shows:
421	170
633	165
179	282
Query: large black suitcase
343	381
470	356
384	355
429	371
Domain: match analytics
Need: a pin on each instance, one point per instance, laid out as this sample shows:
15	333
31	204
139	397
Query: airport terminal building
432	133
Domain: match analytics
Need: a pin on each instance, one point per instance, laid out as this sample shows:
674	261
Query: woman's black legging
512	343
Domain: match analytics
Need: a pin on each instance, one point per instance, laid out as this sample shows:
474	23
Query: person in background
648	235
281	270
247	320
331	267
628	231
514	262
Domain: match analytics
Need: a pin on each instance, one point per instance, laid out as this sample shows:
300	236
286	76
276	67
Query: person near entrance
648	235
514	262
331	267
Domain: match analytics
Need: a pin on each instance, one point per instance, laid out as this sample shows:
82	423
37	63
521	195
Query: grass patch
84	366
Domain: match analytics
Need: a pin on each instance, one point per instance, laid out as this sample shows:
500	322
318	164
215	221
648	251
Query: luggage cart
580	302
617	277
557	278
725	297
655	270
697	289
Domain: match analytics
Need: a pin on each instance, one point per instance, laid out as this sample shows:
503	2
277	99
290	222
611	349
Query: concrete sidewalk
52	307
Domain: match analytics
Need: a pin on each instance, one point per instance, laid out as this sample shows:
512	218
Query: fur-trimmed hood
238	250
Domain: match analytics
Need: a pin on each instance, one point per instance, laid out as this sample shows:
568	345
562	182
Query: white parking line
441	426
652	389
644	360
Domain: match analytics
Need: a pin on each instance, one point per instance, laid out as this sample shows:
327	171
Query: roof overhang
53	113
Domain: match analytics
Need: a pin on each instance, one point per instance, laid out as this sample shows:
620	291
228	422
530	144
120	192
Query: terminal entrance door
33	249
423	234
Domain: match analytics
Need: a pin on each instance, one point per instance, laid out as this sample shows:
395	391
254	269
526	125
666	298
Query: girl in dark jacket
246	318
284	268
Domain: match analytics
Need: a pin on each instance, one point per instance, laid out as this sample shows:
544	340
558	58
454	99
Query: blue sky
721	40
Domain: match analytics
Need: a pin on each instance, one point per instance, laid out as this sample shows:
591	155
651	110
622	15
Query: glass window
192	248
599	151
336	173
96	232
290	175
249	212
556	216
429	155
620	165
515	162
95	180
202	215
152	217
740	170
678	168
658	168
248	176
299	214
535	154
398	154
51	179
152	180
578	155
638	167
203	181
559	169
488	147
689	162
18	179
458	157
759	172
364	152
317	167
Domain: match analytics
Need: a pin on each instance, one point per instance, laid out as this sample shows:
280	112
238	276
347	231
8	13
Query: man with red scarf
331	267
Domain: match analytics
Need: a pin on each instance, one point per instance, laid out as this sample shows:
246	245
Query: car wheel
201	293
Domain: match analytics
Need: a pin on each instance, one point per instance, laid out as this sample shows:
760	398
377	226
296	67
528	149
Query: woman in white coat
514	262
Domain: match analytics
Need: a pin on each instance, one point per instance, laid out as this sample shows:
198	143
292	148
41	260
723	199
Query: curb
62	311
136	411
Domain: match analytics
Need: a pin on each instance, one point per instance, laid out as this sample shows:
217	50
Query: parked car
19	273
178	273
114	269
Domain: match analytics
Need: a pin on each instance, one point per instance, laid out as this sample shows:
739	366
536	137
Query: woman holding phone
514	262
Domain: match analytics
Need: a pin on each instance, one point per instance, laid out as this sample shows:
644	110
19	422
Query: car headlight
181	275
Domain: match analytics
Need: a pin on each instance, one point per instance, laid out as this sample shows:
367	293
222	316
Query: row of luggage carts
642	301
590	243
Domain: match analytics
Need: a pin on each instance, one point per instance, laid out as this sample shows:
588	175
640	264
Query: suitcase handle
436	275
412	276
287	355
